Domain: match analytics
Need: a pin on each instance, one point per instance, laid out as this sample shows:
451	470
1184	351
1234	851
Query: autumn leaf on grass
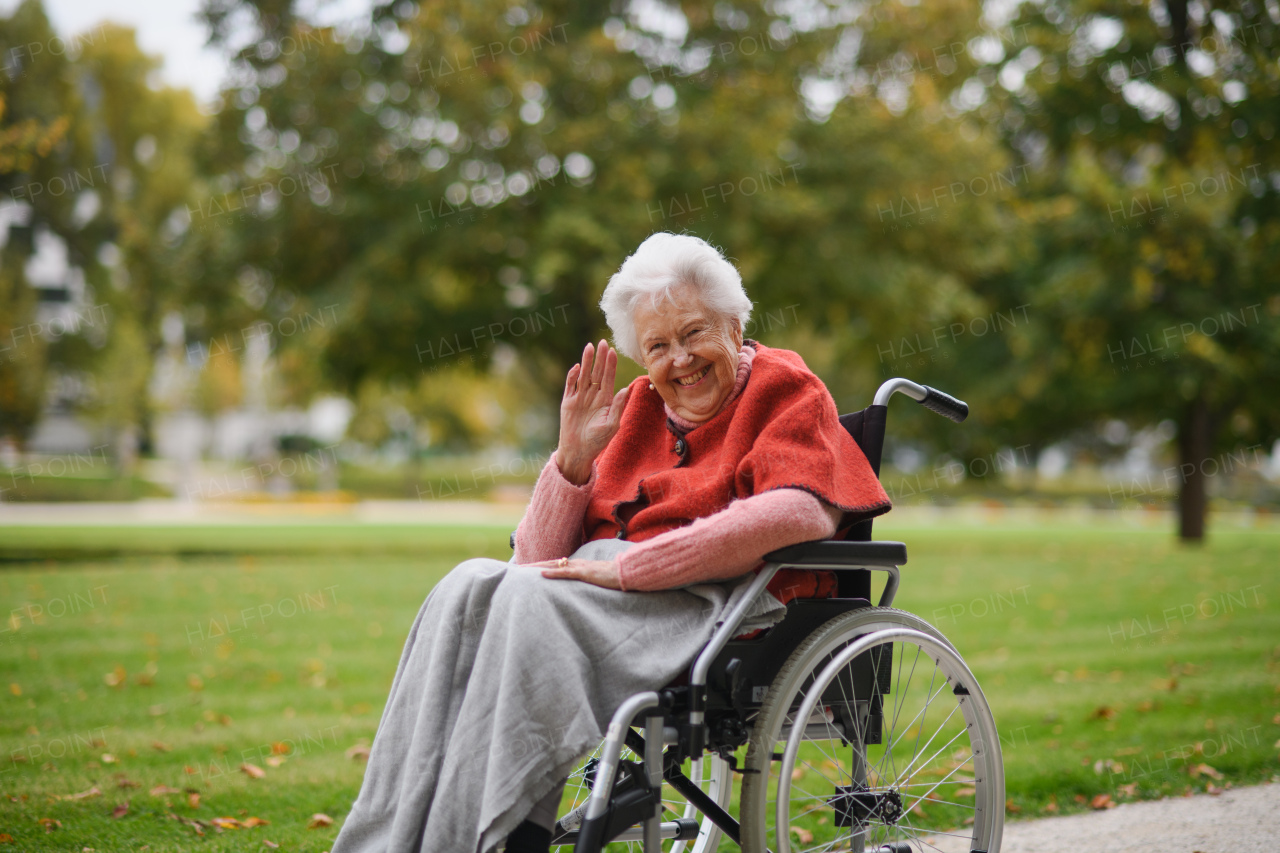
83	795
121	810
280	748
50	824
161	745
319	820
359	752
1206	770
1102	801
251	822
275	760
804	836
116	677
1011	807
193	800
966	792
270	844
108	758
1103	712
227	823
161	790
253	771
6	838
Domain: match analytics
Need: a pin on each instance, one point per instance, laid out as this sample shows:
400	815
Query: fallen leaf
161	745
15	689
6	838
1103	712
275	760
1102	801
1206	770
796	774
270	844
193	800
1081	798
125	782
318	820
1052	807
161	790
253	771
108	758
1212	789
804	836
83	795
50	824
1011	807
116	677
360	752
195	682
227	823
280	748
1130	790
121	810
256	821
966	791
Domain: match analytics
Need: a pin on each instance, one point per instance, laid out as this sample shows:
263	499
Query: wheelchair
851	727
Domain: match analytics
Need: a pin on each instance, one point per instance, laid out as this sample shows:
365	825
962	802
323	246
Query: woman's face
691	354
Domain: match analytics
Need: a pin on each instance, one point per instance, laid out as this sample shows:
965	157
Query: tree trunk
1195	441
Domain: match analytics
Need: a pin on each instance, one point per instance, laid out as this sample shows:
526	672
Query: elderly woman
658	502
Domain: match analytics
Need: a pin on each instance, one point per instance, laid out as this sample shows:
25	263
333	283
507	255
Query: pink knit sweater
720	546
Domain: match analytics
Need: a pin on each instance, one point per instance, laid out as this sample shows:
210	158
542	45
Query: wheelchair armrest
838	555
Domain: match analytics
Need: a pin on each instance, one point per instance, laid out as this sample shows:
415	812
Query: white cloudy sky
170	28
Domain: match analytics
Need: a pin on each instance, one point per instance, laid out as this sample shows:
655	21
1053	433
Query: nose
680	357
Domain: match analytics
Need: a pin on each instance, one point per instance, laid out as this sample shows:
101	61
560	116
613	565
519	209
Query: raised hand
590	411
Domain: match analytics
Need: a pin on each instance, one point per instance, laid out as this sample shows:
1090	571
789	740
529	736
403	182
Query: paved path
1242	820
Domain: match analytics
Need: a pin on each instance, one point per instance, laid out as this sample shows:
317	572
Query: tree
107	188
1150	129
487	168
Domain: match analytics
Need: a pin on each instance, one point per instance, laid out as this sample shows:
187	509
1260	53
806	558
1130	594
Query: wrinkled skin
691	355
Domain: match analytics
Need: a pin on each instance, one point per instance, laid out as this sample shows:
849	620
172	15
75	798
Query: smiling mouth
693	378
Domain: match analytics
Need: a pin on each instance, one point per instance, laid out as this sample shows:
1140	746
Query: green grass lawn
134	657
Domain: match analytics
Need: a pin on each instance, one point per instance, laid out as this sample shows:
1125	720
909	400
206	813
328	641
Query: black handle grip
944	404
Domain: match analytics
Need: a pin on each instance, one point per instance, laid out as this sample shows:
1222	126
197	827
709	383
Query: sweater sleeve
729	543
552	524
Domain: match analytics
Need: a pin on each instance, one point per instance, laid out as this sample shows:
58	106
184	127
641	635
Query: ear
735	332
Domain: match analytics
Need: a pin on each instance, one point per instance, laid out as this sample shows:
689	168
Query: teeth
690	380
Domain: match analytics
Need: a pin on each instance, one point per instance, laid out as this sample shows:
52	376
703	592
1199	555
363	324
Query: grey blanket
506	681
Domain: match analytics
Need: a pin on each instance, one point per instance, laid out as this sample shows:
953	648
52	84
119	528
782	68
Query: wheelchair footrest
680	829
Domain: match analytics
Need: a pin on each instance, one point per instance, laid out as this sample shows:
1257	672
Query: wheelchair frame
625	799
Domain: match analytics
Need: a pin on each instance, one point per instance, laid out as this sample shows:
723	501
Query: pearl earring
651	388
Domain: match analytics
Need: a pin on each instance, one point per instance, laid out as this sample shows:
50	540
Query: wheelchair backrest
867	428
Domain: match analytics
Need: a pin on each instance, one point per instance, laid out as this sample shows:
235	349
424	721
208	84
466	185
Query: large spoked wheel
712	774
897	752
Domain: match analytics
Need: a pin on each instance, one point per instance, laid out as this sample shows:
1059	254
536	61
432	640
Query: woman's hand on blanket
590	411
599	572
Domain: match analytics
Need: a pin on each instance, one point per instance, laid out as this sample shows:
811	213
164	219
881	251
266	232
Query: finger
610	370
571	380
584	380
616	409
597	369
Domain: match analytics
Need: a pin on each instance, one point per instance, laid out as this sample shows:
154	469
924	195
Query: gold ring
562	563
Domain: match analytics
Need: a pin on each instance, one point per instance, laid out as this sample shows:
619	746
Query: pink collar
745	355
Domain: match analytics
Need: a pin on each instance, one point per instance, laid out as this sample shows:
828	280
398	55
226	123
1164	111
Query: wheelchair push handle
932	399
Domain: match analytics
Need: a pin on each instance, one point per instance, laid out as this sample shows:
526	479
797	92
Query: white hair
662	263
